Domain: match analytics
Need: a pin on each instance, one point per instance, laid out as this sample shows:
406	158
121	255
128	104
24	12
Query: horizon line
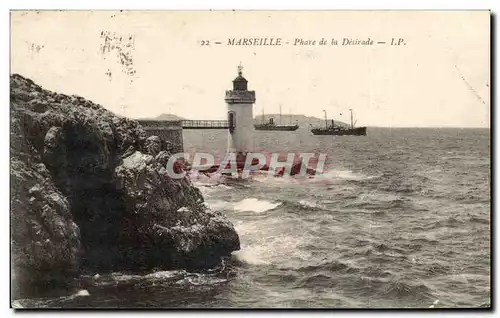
368	126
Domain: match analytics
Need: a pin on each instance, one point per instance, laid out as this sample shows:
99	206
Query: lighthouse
240	115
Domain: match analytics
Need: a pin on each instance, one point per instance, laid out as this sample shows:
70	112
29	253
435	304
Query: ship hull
358	131
277	128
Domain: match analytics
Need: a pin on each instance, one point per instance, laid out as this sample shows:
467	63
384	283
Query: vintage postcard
250	159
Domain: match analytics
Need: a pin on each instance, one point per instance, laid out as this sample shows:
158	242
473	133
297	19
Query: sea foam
255	205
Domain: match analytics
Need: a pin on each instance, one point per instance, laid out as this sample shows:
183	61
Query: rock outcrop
89	190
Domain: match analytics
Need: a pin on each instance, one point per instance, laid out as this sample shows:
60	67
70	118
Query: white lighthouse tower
240	115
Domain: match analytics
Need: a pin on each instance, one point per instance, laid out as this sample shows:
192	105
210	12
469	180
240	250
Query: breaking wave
255	205
345	175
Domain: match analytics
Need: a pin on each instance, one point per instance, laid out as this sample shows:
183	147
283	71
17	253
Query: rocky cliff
90	191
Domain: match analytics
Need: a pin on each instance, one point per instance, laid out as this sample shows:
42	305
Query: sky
440	78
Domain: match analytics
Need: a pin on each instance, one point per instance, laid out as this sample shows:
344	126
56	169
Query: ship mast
280	114
352	125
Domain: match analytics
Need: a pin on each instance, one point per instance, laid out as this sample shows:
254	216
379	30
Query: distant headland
301	120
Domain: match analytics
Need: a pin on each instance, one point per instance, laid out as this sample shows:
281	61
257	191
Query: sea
400	218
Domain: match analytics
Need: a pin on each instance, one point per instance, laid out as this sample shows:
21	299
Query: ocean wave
383	252
245	205
401	289
280	250
205	191
388	287
379	203
218	205
202	179
255	205
208	189
331	266
303	205
165	275
449	222
309	205
200	279
436	268
424	241
112	279
253	255
403	188
271	180
317	281
476	219
472	197
117	276
45	302
270	249
346	175
381	247
327	177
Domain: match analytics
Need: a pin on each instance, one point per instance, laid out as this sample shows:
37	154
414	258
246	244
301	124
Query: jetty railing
205	124
151	124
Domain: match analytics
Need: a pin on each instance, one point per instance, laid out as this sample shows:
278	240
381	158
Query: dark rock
45	239
153	145
38	106
89	191
194	236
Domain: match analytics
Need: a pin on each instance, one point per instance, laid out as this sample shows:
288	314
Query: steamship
271	125
339	130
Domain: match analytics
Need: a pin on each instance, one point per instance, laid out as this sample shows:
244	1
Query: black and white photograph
250	159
